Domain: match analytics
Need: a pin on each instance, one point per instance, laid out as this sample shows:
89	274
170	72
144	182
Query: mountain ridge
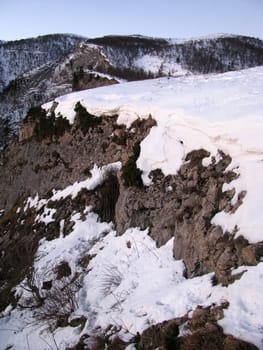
71	65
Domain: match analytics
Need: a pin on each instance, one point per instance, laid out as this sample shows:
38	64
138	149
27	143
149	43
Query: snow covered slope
130	283
21	56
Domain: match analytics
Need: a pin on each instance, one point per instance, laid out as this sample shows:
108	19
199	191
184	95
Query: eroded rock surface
31	166
182	206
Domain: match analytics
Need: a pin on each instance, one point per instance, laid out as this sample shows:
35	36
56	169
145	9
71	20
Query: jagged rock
185	213
201	332
33	166
203	246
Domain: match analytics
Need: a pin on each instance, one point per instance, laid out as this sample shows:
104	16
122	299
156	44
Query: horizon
169	19
200	37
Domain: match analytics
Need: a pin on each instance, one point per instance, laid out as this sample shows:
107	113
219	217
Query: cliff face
180	206
176	206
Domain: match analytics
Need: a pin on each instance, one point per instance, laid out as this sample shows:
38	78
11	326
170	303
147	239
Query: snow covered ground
132	283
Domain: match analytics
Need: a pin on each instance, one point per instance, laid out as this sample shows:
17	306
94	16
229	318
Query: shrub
130	173
34	113
63	270
156	175
60	301
86	172
77	77
84	119
47	125
54	304
110	279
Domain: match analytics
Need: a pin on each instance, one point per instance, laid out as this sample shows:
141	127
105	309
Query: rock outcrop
200	332
182	207
177	206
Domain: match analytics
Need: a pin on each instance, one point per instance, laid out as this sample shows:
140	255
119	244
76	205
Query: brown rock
231	343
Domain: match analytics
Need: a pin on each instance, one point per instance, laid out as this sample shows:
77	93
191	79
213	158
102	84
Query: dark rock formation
201	332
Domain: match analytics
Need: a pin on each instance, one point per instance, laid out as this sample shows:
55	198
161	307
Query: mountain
25	70
131	217
201	55
21	56
34	71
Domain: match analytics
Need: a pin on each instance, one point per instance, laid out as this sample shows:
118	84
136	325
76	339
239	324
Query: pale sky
158	18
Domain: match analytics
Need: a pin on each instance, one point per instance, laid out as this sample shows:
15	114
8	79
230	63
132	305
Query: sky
157	18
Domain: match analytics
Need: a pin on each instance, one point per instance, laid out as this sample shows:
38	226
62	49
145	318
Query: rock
47	285
78	321
161	335
231	343
202	333
185	213
25	132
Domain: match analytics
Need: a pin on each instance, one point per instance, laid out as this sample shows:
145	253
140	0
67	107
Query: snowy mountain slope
26	57
21	56
103	61
123	278
40	85
46	82
169	56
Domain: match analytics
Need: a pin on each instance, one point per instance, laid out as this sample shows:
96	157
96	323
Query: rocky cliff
176	206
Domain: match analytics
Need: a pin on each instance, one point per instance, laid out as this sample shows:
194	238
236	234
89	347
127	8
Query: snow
71	247
243	317
130	282
157	65
135	301
214	36
97	177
